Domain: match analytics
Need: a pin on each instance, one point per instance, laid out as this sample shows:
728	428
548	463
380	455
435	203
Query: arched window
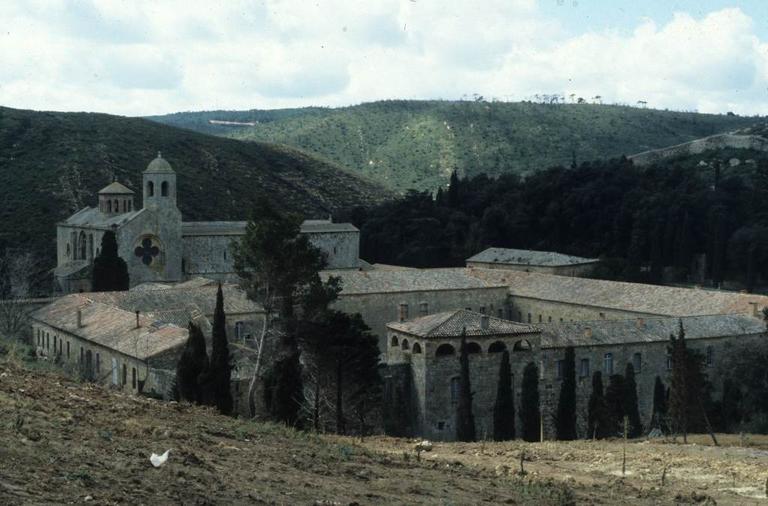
473	348
90	246
117	206
416	348
497	347
522	345
130	205
151	189
394	341
164	189
404	344
109	206
444	350
69	250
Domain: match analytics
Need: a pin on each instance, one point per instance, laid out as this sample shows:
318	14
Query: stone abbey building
159	246
534	304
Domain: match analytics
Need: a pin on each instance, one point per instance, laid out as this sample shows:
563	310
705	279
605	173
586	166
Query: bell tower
159	184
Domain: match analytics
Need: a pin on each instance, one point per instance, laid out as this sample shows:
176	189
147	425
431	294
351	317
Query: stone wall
209	256
653	362
379	309
342	248
545	311
163	226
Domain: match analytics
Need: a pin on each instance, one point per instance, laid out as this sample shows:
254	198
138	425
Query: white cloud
146	57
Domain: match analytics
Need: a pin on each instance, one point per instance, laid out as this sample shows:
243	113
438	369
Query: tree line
649	224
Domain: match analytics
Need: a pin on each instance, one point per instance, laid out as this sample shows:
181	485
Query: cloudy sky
137	57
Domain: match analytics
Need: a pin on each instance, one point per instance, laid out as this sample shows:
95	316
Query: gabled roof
92	217
112	327
415	280
189	228
647	330
635	298
116	188
454	323
325	226
528	257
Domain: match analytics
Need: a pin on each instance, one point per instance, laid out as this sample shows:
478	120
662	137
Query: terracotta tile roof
415	280
454	323
528	257
646	330
116	188
631	297
111	327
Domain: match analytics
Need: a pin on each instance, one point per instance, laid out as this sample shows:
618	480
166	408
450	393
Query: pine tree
566	405
529	403
504	408
596	411
221	369
659	403
192	367
465	421
110	272
454	199
631	409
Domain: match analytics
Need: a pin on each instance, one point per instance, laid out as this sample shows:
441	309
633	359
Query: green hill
54	163
417	144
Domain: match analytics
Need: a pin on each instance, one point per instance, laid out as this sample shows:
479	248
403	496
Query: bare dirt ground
64	442
697	473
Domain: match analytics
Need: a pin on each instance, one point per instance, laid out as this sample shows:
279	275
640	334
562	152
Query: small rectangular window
549	319
540	319
482	309
98	362
238	330
560	366
669	362
67	349
529	317
608	364
584	368
133	378
454	390
500	312
710	356
637	362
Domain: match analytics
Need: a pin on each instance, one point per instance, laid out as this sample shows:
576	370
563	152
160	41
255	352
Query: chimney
137	320
755	310
402	312
79	318
640	323
588	332
485	322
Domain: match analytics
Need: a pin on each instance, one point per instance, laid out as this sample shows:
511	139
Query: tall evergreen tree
192	367
110	272
678	392
659	404
529	403
504	408
631	409
566	405
597	424
465	421
287	390
220	369
614	402
454	199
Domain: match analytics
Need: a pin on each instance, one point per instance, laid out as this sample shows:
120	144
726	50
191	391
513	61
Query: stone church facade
159	246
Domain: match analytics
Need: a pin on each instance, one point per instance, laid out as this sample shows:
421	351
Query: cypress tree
465	421
192	366
221	369
614	402
659	403
529	403
678	389
504	408
631	409
287	390
566	405
596	411
110	272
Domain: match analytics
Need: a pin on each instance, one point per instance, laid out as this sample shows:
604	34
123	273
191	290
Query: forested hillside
418	144
52	164
650	224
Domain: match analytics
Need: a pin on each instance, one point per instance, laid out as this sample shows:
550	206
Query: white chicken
159	460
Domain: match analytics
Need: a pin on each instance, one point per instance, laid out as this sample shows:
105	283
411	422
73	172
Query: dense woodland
416	144
692	219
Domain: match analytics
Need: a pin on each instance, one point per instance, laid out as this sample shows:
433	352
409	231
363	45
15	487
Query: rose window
147	251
